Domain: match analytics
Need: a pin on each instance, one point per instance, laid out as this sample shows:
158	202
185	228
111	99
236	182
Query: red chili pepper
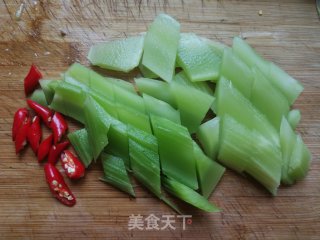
44	148
59	127
21	135
19	117
58	186
72	166
44	112
31	81
56	150
34	134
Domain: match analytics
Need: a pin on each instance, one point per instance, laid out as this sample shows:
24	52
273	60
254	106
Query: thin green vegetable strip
188	195
176	151
209	172
97	124
294	117
80	142
116	174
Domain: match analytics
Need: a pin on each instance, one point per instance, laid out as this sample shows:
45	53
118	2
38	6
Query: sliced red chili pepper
59	127
44	112
72	166
34	134
44	148
56	150
19	117
31	81
21	135
58	186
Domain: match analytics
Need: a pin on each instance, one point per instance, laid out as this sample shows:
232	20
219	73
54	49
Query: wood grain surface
287	33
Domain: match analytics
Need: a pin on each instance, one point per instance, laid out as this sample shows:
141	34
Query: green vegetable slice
161	45
230	101
80	142
290	87
208	135
209	172
188	195
246	150
120	55
48	87
183	79
176	151
97	124
215	46
197	59
268	99
160	108
157	89
294	117
39	97
129	99
146	72
145	166
299	162
234	69
68	100
192	104
136	119
116	174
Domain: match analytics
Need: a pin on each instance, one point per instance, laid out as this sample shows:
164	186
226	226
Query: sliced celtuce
135	118
248	151
234	69
230	101
146	72
268	100
145	166
160	108
161	45
294	117
38	96
68	100
290	87
48	88
80	142
183	79
296	156
197	59
209	172
192	104
188	195
156	88
120	55
116	174
176	151
208	135
97	124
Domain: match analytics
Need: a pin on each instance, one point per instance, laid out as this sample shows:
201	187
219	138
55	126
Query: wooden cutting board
287	32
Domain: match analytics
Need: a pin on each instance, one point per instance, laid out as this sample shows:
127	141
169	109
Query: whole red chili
56	150
19	117
34	134
44	112
59	127
31	81
72	166
21	135
44	148
58	186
